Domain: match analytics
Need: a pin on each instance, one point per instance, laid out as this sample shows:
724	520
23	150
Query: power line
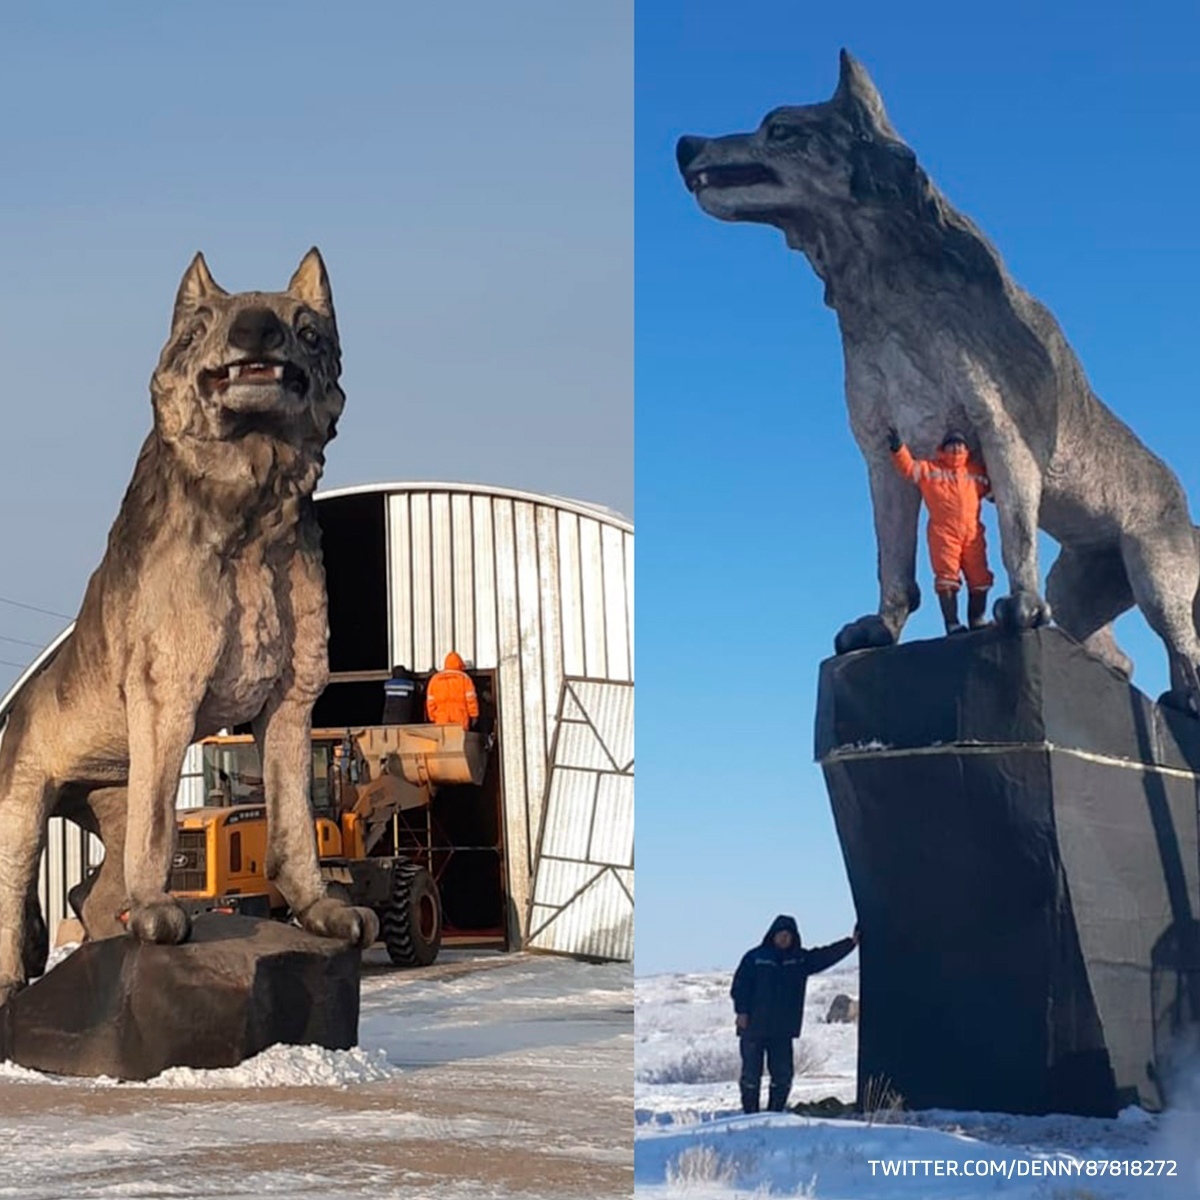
21	642
19	666
34	608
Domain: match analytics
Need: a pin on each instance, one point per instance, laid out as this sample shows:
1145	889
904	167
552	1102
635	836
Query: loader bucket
441	754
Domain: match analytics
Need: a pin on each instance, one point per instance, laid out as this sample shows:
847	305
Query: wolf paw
9	988
163	921
863	634
336	919
1021	610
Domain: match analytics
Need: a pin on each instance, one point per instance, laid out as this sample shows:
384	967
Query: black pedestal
1019	826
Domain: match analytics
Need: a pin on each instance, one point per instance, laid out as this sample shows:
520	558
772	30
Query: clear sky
465	169
1069	132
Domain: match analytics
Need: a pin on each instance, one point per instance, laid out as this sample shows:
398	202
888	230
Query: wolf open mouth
730	176
255	373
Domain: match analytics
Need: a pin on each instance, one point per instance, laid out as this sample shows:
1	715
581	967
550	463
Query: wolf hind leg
100	898
1164	573
25	802
37	936
1088	590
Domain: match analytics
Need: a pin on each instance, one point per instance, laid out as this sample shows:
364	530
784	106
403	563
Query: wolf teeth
236	370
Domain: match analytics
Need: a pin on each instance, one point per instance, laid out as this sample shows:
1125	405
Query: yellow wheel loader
371	787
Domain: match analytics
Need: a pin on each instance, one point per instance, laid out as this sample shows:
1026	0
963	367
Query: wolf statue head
247	384
832	176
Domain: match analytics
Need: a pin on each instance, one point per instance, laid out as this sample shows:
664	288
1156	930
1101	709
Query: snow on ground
692	1139
483	1076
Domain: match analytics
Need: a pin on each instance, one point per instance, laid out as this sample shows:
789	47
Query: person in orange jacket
450	695
953	485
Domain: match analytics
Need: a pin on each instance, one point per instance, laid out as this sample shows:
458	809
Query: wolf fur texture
207	611
937	335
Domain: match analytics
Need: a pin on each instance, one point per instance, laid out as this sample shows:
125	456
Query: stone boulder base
128	1010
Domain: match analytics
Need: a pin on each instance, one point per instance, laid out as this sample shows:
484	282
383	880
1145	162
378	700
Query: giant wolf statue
936	335
207	611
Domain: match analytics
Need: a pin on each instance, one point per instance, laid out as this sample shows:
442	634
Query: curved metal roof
582	508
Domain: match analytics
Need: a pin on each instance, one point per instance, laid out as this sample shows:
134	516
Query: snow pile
10	1071
275	1067
286	1066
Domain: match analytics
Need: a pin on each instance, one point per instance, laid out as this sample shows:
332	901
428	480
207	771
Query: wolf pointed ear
855	91
196	286
310	284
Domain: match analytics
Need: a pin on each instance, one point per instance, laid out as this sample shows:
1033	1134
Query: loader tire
412	922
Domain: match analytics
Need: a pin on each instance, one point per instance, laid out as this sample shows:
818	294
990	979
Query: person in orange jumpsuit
953	485
450	695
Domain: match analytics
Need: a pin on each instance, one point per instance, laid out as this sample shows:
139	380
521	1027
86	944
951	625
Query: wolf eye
308	335
781	133
188	336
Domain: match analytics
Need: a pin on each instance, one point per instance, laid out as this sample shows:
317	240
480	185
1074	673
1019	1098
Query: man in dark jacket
401	699
768	998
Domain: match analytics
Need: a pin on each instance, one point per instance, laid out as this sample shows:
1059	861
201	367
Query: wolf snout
257	331
686	151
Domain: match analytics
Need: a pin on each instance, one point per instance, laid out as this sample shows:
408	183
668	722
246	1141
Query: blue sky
1069	133
465	170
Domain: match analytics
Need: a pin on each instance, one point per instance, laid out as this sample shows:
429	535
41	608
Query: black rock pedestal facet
122	1008
1019	826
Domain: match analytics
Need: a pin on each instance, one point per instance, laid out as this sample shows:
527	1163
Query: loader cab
233	773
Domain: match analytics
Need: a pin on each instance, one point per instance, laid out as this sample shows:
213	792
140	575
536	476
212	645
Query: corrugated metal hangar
536	594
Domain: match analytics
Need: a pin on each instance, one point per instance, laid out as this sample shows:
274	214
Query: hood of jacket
783	922
453	662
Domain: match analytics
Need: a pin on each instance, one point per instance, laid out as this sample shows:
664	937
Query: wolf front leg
160	730
283	732
897	506
25	799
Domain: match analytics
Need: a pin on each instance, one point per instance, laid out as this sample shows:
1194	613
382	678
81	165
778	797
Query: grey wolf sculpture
208	610
937	335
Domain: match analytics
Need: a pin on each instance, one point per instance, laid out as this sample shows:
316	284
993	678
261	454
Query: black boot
776	1100
977	610
750	1100
949	603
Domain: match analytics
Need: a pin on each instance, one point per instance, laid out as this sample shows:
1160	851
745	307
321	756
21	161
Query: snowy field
691	1139
482	1076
